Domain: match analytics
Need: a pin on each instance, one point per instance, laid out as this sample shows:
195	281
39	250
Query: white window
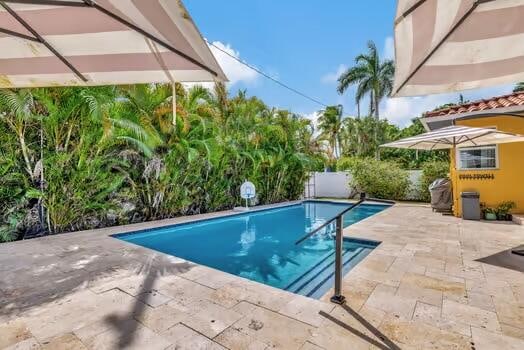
477	158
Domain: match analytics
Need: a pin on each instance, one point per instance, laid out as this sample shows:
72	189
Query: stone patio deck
422	288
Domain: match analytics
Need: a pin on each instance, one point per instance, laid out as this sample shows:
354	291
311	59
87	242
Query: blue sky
306	44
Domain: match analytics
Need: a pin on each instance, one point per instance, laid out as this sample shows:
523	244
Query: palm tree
113	154
330	124
16	110
372	76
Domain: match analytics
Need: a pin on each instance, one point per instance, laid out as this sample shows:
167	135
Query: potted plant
490	213
503	210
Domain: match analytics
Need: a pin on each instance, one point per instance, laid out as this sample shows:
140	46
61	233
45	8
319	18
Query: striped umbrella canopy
452	45
101	42
456	136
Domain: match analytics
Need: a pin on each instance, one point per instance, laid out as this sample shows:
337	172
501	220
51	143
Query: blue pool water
260	245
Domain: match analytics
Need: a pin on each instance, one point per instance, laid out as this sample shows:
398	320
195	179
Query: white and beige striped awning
452	45
101	42
456	136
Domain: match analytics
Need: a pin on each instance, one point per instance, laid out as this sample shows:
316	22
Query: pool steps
316	281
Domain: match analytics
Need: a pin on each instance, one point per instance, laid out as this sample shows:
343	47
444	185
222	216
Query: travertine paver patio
422	288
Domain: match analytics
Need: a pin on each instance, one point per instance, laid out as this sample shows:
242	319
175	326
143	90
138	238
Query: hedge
379	179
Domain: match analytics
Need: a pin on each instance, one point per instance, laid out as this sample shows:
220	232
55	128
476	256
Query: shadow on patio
383	341
44	278
128	330
505	259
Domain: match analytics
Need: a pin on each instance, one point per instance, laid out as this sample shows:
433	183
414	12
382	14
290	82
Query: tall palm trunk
25	154
334	145
376	102
371	103
377	118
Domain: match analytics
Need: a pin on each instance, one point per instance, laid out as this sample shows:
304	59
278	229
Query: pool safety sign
247	190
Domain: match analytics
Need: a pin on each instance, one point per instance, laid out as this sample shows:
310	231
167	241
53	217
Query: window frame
458	157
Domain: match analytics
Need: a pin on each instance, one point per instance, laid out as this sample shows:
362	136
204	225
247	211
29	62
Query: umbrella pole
454	180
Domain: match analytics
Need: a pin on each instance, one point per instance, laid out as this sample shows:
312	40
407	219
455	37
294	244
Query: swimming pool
260	245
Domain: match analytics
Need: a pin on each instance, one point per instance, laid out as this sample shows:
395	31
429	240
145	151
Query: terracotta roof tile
514	99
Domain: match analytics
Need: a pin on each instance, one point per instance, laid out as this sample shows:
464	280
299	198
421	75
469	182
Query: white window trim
457	158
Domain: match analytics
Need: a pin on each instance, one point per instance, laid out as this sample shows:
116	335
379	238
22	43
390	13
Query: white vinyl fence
336	185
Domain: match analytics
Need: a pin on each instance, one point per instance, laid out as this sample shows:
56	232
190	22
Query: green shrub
380	179
346	163
113	155
430	172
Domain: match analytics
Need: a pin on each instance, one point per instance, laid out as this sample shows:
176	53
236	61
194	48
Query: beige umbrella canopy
101	42
452	45
456	136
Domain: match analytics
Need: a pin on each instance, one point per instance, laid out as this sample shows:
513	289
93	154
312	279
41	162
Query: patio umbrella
100	42
452	45
453	137
456	136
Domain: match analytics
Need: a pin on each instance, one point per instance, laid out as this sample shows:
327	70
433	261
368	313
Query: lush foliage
330	125
379	179
431	171
79	158
504	208
361	137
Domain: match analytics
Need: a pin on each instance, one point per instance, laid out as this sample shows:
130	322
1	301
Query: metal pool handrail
338	298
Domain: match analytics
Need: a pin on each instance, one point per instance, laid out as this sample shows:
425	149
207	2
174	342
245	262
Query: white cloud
313	116
235	71
332	77
388	52
401	110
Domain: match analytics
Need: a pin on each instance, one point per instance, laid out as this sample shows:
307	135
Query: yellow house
496	171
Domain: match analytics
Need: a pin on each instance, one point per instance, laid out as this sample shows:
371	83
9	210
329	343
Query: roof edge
492	104
482	113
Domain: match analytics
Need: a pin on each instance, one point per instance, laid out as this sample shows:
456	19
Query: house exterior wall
508	181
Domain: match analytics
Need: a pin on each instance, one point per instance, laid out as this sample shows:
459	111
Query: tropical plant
380	179
18	115
373	77
330	125
503	210
362	136
114	155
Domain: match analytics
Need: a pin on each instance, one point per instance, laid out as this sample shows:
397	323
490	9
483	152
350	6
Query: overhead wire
267	76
